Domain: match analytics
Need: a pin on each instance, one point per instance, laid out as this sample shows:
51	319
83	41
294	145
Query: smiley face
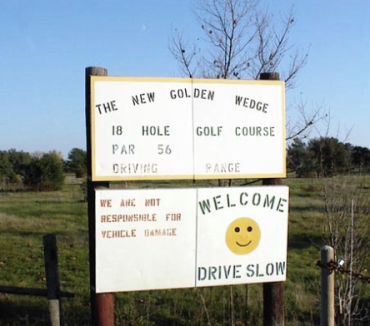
243	236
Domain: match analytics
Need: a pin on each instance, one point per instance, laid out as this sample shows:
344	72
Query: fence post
327	288
102	305
52	279
273	293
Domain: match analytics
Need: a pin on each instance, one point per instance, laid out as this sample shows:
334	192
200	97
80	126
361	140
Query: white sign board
242	235
151	128
176	238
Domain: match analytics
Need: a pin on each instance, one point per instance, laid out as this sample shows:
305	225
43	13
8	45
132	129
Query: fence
329	267
52	291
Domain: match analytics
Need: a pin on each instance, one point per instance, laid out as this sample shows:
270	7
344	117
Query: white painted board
157	249
241	133
139	132
157	128
242	235
177	238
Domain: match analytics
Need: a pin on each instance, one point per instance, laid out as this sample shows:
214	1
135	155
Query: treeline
318	157
326	157
39	171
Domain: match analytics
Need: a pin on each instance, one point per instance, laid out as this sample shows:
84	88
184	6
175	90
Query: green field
26	216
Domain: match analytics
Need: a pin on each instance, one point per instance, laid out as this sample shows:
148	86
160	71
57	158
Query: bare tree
347	230
240	42
308	116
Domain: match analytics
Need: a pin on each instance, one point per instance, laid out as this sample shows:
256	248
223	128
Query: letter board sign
157	129
177	238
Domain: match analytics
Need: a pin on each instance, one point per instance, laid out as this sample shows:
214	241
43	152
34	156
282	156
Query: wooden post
273	293
102	305
52	279
327	288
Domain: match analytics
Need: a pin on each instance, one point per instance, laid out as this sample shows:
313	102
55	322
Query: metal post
273	293
102	305
327	288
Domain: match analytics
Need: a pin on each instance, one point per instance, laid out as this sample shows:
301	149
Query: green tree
299	160
360	157
45	173
19	161
329	156
6	169
77	162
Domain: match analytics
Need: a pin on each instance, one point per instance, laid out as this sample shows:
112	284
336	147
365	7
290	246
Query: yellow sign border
93	79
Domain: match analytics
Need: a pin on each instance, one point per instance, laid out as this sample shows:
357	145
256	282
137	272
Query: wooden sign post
102	305
273	293
168	129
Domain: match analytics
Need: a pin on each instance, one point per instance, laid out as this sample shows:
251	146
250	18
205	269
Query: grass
24	219
26	216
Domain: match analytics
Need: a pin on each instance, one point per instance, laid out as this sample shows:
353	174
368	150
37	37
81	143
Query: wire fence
337	267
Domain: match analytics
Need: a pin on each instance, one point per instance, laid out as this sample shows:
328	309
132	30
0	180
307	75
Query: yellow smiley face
243	236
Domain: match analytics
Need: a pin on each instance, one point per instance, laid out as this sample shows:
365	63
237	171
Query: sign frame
229	170
192	247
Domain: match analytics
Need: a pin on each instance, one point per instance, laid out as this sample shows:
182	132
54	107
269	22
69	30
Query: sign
177	238
143	239
151	129
241	235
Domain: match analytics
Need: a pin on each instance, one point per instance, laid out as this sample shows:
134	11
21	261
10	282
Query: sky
45	47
